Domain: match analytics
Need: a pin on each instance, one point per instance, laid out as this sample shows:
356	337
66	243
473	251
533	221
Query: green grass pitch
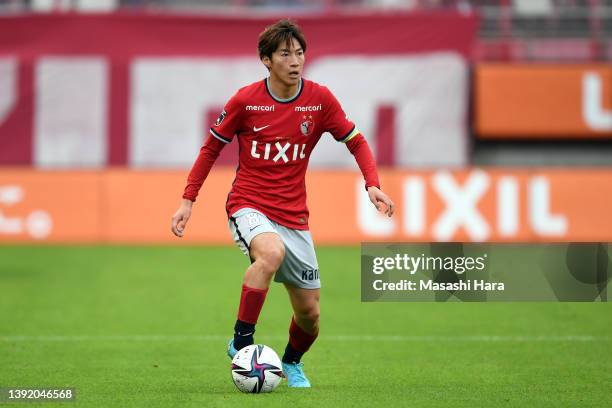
148	327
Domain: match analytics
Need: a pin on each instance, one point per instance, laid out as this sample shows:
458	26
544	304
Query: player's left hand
378	198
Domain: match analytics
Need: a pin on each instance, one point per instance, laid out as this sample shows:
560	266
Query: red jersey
276	138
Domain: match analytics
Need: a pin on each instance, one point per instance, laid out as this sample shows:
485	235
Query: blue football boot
231	350
295	375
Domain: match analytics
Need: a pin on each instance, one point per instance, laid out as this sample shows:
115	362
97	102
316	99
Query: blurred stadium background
106	101
491	120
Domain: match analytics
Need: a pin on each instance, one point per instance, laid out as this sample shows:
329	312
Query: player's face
287	63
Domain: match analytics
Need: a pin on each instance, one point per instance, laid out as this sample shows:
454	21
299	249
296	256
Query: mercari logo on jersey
278	151
309	108
264	108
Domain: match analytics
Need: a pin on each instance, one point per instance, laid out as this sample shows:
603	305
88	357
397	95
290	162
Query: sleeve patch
220	118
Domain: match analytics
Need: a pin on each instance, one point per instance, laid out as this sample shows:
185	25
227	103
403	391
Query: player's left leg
303	331
299	272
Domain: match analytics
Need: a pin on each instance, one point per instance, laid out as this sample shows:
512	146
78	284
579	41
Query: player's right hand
180	218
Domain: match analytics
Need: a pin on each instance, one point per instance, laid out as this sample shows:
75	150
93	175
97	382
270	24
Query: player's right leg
266	250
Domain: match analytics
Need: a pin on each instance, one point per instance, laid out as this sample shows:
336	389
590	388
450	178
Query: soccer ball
256	368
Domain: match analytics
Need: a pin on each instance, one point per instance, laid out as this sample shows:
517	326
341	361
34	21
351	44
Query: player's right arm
221	134
181	216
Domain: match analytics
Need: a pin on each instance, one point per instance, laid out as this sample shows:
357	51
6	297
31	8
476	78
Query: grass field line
355	338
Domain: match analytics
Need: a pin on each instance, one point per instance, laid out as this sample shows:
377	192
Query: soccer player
278	122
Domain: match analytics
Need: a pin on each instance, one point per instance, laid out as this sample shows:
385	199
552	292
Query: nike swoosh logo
256	129
254	227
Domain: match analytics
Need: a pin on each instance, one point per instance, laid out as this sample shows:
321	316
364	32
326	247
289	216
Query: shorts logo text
310	274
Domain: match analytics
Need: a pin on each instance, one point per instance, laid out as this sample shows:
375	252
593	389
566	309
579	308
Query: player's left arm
345	131
358	146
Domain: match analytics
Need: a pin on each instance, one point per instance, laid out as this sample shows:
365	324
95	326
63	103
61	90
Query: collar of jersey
280	100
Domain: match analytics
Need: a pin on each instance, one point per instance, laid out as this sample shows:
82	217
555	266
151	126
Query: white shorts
300	267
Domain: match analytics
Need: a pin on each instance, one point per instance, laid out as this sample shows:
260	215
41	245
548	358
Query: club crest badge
220	118
307	125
